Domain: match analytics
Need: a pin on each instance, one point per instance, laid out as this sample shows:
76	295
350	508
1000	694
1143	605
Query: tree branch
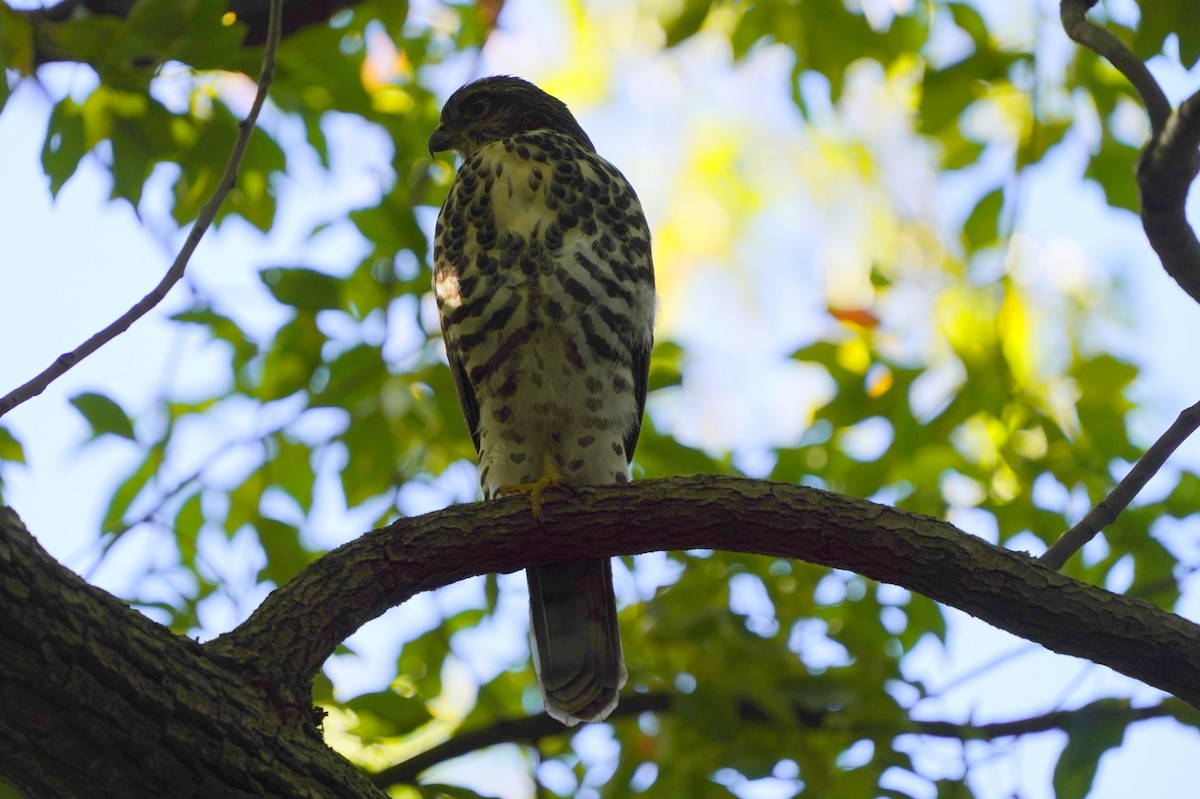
292	633
1080	29
234	717
520	730
98	701
1168	164
1109	508
1166	170
530	729
228	179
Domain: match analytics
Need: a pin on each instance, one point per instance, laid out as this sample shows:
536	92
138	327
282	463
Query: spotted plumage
544	282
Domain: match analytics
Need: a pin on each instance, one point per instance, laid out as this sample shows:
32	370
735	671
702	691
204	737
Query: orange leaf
855	316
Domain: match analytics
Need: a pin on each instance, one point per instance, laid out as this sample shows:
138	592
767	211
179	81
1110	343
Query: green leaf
188	522
140	131
1112	168
291	469
372	458
1183	501
387	714
1091	732
151	26
1102	404
224	329
953	789
208	42
82	37
971	22
302	288
204	145
356	376
104	415
65	143
982	226
7	791
130	488
666	365
294	356
1183	713
244	502
16	47
1160	20
687	22
435	790
322	692
947	92
10	447
286	555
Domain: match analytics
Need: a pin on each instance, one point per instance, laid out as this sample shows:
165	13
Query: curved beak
439	141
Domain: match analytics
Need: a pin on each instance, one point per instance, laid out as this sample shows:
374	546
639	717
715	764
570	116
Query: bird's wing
466	395
640	353
641	377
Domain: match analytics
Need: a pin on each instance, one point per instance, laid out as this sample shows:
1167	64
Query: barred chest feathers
544	283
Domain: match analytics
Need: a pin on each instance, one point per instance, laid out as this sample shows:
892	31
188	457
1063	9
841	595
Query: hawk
545	288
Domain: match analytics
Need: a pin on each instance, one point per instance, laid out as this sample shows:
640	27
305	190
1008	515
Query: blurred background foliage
885	322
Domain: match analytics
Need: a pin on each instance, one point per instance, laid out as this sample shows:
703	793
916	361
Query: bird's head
494	108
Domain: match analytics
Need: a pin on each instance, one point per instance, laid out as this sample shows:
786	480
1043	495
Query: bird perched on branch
545	287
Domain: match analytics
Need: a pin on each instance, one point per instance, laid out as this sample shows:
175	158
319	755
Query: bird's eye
477	107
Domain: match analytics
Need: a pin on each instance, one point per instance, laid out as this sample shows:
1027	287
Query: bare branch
527	729
1166	170
530	729
67	360
1106	512
1077	26
293	632
1168	164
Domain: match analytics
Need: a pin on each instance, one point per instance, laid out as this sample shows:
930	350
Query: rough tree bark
97	700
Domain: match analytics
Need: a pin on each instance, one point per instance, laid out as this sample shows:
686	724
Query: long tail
576	641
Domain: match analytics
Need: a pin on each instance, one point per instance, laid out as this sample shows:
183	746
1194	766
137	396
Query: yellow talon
551	478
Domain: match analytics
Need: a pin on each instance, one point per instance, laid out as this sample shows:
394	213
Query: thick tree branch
530	729
82	673
99	702
207	214
297	627
1109	508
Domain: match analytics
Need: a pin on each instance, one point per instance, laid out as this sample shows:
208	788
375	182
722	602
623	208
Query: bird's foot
551	478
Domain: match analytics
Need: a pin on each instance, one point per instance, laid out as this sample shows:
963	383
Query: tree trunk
96	700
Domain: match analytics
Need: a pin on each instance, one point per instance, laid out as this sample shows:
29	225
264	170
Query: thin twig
67	360
1106	512
530	729
1020	651
1076	24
